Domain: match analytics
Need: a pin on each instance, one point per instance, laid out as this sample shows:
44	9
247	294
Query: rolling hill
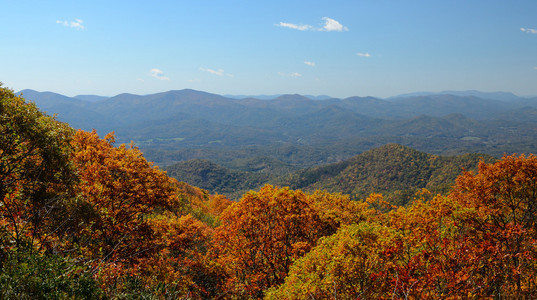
215	178
393	170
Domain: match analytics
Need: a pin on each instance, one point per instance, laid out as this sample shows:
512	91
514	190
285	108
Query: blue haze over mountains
168	126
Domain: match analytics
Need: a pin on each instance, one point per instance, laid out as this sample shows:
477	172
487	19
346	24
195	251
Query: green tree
35	171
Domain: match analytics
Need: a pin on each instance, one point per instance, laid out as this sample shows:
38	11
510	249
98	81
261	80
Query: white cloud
329	25
333	25
293	74
158	74
529	30
218	72
77	24
363	54
295	26
310	63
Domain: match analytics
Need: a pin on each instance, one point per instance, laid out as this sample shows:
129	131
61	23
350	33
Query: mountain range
502	96
297	130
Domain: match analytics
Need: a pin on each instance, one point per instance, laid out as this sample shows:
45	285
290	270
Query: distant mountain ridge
204	105
190	119
270	97
502	96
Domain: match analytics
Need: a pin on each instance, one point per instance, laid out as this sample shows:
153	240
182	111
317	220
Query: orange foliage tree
183	262
501	219
118	192
262	234
432	253
132	222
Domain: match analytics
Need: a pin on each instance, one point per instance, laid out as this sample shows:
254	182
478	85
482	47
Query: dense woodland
83	217
395	170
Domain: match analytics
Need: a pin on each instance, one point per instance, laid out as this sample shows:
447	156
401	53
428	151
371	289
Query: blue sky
337	48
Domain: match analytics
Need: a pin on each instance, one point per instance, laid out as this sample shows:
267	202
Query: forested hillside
396	171
217	179
82	217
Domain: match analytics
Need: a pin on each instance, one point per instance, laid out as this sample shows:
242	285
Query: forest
398	171
84	217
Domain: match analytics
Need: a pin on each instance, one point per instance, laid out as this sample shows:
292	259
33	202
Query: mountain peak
292	97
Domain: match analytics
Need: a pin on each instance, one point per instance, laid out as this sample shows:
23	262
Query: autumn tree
432	255
501	219
36	186
336	210
202	205
394	255
261	235
183	263
354	263
35	171
118	192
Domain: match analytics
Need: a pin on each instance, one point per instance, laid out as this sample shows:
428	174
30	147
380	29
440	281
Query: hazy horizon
270	96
